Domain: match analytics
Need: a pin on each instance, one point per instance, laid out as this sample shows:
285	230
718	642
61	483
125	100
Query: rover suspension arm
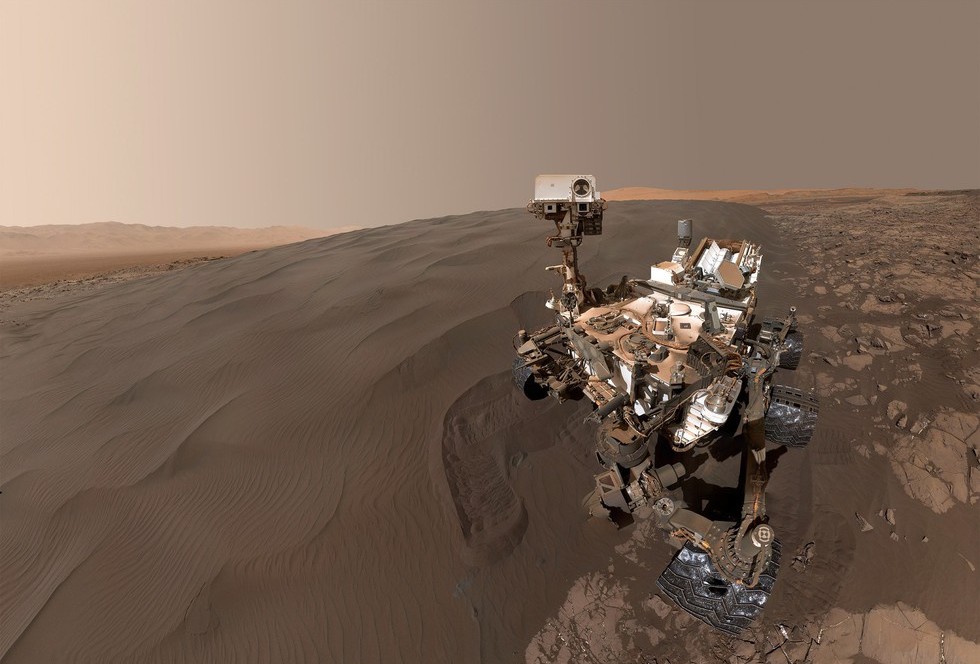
754	429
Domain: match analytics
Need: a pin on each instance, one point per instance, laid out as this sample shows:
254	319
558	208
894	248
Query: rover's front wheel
693	582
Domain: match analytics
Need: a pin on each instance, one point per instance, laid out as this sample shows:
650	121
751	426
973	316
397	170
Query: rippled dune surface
245	458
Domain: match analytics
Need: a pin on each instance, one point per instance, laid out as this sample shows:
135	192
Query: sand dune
315	453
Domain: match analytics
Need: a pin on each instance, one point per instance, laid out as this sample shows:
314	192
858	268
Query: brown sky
245	113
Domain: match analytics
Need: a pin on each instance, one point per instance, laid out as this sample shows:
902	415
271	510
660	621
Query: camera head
556	196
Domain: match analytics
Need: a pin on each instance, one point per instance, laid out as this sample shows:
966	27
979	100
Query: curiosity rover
672	363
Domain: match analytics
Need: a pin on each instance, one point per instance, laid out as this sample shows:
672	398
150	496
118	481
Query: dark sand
315	453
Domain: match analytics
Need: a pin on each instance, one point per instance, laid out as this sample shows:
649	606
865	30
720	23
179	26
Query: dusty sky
367	112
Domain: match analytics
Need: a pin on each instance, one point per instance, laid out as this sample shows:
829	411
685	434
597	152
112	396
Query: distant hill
753	196
114	238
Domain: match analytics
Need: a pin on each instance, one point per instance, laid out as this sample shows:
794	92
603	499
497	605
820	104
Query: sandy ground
315	452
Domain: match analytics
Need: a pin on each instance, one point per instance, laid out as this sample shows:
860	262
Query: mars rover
672	363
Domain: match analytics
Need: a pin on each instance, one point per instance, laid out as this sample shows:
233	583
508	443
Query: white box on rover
565	189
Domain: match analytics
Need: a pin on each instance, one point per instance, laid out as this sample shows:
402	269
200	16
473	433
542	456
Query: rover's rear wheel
792	416
524	379
692	581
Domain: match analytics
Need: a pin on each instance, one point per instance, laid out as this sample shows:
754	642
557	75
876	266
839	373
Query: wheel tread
792	416
731	612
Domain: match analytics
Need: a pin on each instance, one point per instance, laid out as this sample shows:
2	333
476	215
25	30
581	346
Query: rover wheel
792	416
525	380
692	581
792	352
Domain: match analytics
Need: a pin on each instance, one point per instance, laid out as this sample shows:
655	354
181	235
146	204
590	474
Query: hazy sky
333	113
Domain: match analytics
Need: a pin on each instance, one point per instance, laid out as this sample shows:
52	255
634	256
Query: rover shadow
696	459
772	457
716	502
772	460
621	519
714	485
726	447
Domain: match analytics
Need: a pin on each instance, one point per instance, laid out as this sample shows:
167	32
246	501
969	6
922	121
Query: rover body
672	362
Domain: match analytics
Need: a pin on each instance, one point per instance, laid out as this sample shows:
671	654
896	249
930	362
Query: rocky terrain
59	287
903	273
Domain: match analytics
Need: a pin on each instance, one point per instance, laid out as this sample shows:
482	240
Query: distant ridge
740	195
113	238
